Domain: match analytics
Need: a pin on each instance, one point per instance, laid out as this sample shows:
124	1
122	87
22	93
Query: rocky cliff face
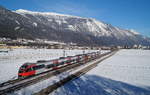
52	26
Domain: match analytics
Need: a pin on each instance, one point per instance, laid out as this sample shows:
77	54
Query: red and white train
30	69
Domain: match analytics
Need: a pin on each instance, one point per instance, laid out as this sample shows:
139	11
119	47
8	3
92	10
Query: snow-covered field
125	73
11	61
130	66
30	90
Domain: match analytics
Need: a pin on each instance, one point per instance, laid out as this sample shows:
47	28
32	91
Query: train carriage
30	69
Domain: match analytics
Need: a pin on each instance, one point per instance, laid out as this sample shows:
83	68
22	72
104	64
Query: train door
39	68
56	63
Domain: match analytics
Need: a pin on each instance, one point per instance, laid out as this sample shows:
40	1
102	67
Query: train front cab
26	70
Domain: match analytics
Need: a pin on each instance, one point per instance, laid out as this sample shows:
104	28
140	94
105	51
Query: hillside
65	28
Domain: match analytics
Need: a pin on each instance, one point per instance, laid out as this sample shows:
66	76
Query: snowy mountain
53	26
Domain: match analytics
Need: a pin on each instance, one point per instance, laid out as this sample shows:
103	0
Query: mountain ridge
66	28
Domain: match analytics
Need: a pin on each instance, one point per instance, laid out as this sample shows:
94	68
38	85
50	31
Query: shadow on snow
95	85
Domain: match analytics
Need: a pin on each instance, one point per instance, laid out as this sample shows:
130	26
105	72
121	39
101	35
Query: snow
44	84
11	61
23	11
125	73
102	26
35	24
134	32
71	28
17	22
16	28
88	25
43	29
130	66
58	21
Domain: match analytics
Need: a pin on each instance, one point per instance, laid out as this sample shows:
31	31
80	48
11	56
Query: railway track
17	84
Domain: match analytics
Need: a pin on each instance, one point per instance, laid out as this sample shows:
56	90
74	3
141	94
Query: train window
68	61
50	66
20	71
34	68
41	66
62	58
28	70
56	65
40	61
61	63
24	66
38	67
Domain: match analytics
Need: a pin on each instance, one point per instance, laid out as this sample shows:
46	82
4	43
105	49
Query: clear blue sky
128	14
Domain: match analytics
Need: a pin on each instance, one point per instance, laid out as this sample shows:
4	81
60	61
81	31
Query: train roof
41	61
27	63
62	57
37	63
48	61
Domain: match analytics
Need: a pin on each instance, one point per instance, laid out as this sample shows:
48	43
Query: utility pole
64	53
83	51
100	51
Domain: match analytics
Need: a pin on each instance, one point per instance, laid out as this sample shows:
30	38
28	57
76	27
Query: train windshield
21	71
29	69
22	68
